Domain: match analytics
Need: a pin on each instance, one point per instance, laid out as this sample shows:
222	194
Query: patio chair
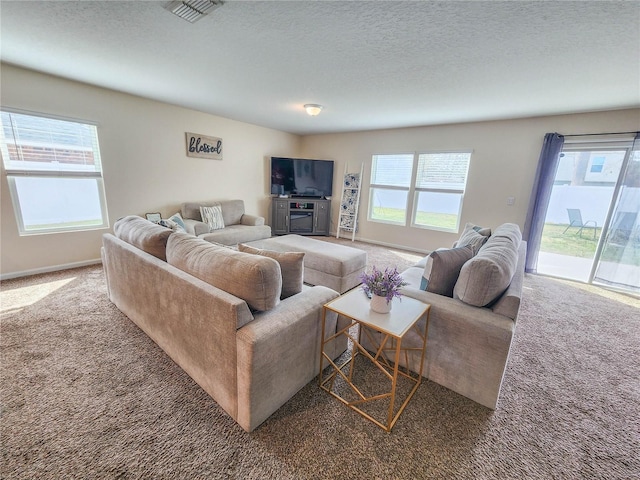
575	220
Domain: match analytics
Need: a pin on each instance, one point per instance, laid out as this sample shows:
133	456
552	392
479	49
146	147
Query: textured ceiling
371	64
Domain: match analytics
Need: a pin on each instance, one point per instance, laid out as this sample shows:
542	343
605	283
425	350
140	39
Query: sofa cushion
442	269
212	216
291	266
234	234
232	210
143	234
473	235
255	279
487	275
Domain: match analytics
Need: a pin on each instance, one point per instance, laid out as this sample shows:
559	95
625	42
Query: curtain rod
595	134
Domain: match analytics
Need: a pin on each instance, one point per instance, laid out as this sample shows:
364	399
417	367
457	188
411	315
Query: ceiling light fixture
193	10
313	109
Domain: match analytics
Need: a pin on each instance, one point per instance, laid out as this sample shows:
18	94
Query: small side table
393	326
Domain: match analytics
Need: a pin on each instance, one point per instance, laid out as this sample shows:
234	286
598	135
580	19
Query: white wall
503	164
142	143
593	202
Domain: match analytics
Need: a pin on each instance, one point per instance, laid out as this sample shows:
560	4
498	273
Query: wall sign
202	146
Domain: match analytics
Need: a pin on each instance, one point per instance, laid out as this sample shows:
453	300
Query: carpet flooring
86	394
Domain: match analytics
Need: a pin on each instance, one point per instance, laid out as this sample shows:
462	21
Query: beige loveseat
219	315
470	332
239	227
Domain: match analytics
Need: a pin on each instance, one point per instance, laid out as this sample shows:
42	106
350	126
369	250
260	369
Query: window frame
11	174
373	186
413	191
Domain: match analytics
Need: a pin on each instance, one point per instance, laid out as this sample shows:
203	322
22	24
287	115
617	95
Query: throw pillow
291	266
256	280
212	216
486	276
473	235
176	223
484	231
143	234
442	269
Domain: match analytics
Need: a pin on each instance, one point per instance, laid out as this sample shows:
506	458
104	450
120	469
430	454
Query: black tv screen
299	177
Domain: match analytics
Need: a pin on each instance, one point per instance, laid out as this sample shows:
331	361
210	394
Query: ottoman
335	266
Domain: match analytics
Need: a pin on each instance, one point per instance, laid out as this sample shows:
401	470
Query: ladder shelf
349	202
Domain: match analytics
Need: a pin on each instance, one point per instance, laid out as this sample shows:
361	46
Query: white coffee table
393	326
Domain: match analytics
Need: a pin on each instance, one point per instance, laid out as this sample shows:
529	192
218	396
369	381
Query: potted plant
382	287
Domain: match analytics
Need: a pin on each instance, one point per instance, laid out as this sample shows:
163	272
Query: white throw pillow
212	216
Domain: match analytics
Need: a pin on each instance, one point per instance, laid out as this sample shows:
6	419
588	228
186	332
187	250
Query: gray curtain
543	183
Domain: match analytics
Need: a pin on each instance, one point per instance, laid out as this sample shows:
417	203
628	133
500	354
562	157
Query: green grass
427	219
49	226
554	240
570	243
583	245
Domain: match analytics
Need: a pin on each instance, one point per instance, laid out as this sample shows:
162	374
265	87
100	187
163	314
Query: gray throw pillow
487	275
291	266
143	234
442	269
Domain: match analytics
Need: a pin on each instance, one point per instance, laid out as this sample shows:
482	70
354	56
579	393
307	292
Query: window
429	185
597	164
54	173
390	182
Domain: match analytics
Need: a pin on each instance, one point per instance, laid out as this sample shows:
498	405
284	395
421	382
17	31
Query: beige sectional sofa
470	331
239	227
220	314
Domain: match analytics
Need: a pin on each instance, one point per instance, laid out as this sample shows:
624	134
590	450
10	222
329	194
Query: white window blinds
33	144
443	171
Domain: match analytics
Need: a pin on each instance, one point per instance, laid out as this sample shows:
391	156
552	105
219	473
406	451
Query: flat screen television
300	177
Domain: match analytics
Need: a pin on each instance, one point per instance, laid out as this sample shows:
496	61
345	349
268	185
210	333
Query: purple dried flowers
384	284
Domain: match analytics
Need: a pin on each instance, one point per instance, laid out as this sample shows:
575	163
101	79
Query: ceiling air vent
193	10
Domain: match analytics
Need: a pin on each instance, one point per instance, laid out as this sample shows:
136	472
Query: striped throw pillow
212	216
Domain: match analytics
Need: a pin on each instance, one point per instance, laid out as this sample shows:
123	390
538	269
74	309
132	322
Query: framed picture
154	217
203	146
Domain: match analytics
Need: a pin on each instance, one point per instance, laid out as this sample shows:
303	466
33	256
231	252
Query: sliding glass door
591	231
619	257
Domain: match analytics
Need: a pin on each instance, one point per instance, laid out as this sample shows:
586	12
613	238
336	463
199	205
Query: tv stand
302	216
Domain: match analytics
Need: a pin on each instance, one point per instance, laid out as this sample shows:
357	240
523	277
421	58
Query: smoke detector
193	10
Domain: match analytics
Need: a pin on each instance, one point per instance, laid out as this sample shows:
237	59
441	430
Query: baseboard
384	244
55	268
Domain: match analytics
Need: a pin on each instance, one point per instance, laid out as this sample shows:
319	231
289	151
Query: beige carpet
85	394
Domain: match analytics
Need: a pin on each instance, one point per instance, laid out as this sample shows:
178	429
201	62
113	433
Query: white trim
55	268
52	173
48	115
623	139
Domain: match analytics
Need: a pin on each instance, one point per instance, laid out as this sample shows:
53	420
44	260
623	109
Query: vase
379	304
